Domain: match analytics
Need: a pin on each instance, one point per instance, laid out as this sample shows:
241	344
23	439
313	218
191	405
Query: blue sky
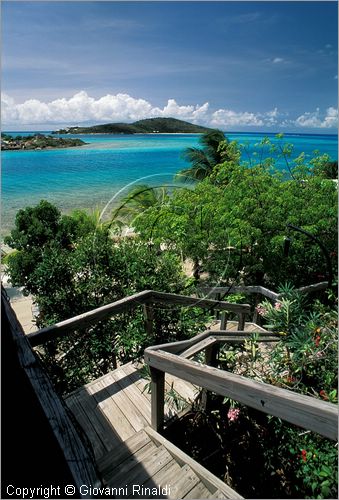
261	66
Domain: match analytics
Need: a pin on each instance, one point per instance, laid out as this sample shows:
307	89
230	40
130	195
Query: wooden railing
147	298
260	292
304	411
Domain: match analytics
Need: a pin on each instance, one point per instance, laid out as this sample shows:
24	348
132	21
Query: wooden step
186	480
199	491
165	477
218	494
211	482
120	474
121	452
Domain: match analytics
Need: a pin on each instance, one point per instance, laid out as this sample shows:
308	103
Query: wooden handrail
63	327
146	297
212	290
304	411
258	289
185	300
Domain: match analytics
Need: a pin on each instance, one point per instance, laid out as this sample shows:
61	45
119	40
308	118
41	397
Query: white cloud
229	118
316	120
278	60
82	108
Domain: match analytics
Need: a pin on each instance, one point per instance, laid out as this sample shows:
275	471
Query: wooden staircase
148	466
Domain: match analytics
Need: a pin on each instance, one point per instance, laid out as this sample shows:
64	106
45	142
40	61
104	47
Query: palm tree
204	159
138	200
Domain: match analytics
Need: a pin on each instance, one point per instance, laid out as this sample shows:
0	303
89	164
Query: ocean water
98	174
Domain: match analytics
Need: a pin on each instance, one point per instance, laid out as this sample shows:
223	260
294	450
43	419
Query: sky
238	66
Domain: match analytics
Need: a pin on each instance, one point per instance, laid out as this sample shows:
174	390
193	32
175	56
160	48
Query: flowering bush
305	359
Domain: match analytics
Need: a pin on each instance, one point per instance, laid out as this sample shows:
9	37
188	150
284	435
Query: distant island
36	142
148	126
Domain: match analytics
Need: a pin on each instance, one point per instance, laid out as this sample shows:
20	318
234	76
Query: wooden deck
116	406
232	326
114	412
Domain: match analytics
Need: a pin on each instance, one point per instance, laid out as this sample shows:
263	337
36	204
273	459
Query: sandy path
21	305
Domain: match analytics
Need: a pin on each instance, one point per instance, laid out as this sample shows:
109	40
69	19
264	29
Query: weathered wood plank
198	347
183	300
241	338
185	482
83	420
223	321
314	288
241	322
199	491
158	398
233	326
181	386
222	290
112	409
218	494
184	389
120	453
165	477
180	346
97	420
304	411
120	476
148	318
63	327
133	394
150	465
76	455
258	289
211	481
128	409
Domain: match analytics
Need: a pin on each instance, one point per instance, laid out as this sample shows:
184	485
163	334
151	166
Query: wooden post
158	399
241	322
148	316
255	312
217	313
223	321
211	354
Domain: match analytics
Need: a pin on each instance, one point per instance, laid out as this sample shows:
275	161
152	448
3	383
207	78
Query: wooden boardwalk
232	326
114	412
114	407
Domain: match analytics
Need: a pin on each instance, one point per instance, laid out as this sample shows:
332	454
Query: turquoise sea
96	175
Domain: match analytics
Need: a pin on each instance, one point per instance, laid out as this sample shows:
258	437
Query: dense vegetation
148	126
71	265
37	141
232	222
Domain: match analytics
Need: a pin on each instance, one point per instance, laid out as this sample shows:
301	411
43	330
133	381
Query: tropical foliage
203	159
237	229
71	265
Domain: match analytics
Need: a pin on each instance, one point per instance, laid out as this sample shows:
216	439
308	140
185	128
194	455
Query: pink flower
278	306
262	311
233	414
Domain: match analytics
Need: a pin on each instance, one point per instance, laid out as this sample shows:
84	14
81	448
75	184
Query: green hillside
148	126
